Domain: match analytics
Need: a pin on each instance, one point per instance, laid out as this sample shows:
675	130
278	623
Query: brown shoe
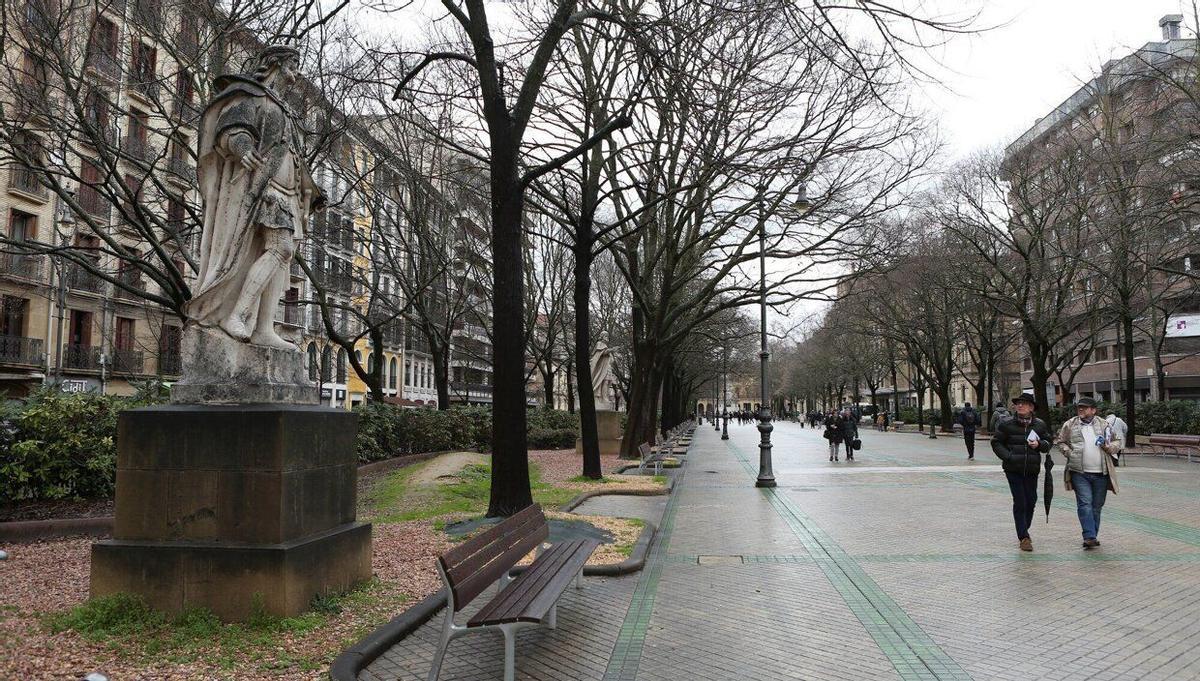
1026	544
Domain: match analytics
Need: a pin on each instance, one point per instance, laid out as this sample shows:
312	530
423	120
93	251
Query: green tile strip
910	650
627	653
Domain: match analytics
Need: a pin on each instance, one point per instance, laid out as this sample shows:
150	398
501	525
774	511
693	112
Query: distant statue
258	195
602	376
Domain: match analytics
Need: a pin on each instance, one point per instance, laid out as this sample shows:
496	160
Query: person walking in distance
1020	443
969	419
1090	447
834	430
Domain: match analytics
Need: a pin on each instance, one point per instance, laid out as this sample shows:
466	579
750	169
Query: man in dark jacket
969	419
1020	443
849	433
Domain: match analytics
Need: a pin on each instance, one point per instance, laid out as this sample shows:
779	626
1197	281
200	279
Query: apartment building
1131	121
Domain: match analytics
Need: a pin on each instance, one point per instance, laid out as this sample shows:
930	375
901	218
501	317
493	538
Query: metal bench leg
447	636
579	579
510	652
552	620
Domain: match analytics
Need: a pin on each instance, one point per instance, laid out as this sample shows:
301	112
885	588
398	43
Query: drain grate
719	560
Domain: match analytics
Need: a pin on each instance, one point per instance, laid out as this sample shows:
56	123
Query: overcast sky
999	83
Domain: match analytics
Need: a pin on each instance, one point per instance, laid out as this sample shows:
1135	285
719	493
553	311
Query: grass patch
128	626
395	499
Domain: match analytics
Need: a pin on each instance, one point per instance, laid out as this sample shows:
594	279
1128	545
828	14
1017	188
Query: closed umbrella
1048	487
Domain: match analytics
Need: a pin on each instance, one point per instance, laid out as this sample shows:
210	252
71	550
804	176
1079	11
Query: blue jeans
1090	492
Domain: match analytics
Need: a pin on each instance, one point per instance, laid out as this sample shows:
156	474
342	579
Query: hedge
385	430
63	445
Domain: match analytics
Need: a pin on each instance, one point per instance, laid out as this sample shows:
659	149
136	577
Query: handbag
856	444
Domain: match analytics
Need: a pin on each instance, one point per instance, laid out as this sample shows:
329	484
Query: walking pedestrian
833	433
1118	425
1091	451
849	433
1019	443
1000	415
969	419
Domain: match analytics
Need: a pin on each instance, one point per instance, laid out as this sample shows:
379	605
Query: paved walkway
902	565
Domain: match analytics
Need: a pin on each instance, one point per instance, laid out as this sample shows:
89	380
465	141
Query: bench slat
515	596
513	530
464	550
536	591
466	590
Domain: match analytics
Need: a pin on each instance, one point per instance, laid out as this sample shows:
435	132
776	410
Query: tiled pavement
900	565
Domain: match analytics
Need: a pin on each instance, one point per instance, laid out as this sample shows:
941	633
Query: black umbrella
1048	487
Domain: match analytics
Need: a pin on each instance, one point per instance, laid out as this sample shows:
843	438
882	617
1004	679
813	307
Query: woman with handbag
849	433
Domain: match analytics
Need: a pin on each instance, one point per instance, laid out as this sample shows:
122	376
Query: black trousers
969	438
1024	493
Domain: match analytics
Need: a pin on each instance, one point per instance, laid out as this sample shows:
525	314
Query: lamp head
802	201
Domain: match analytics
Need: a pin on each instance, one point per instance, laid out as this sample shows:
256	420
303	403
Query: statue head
278	66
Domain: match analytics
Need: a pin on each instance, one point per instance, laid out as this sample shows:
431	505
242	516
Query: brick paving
901	565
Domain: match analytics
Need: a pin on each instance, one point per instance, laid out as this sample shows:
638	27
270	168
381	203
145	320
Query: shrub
63	445
1174	417
386	430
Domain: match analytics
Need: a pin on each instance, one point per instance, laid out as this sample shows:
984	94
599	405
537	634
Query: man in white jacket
1090	447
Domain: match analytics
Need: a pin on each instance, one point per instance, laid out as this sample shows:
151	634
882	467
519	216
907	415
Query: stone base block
222	370
608	427
229	578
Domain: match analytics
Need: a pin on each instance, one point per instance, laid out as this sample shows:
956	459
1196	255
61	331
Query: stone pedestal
221	370
608	426
219	505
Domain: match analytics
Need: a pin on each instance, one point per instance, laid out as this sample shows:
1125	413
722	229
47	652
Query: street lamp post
725	391
766	476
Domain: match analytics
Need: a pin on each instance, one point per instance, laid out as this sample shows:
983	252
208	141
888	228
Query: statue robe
233	196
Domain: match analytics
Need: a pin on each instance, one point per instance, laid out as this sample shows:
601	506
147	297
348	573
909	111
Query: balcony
130	279
32	98
289	314
104	65
145	87
128	361
182	169
471	389
26	182
170	363
23	265
148	14
85	357
185	111
136	147
79	279
94	204
22	350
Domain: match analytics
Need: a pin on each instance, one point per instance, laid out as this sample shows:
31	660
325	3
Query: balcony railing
104	64
128	361
81	357
471	388
131	279
289	314
25	181
148	14
79	279
32	98
22	350
136	147
23	265
94	204
182	169
145	86
170	364
185	111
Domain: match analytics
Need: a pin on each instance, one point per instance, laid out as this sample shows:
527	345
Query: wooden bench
1164	445
652	455
529	600
897	426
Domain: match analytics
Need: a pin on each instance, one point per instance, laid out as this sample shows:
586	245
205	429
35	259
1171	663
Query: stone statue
258	194
602	376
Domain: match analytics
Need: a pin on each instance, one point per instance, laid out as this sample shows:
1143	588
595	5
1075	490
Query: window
341	366
13	312
124	339
103	42
81	328
326	365
392	374
370	362
407	373
313	367
142	71
96	110
22	226
176	216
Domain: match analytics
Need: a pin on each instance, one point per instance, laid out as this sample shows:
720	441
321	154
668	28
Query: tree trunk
441	375
943	393
571	387
548	383
510	490
588	432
